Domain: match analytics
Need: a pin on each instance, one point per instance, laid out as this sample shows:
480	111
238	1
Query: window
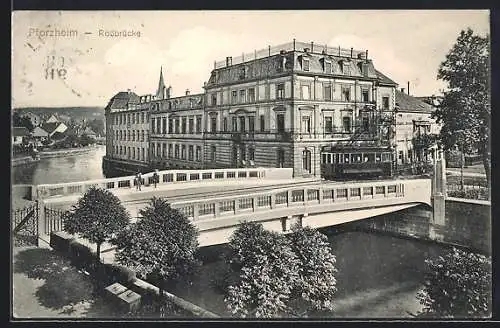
212	153
184	125
235	124
280	120
214	99
243	94
234	97
262	123
346	93
153	125
198	124
198	153
133	135
280	157
251	153
128	135
142	154
158	126
251	124
133	153
280	91
305	92
183	152
305	64
128	152
385	102
158	149
170	125
142	135
366	124
242	73
170	150
401	156
346	124
327	92
306	161
328	124
164	150
213	124
224	124
242	123
306	124
142	119
328	67
191	126
176	154
177	126
364	94
191	153
243	153
346	69
164	125
251	95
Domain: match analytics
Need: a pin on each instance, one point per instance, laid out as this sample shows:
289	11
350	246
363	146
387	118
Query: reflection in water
70	168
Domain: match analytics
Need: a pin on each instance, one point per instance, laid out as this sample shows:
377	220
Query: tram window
338	158
346	158
386	157
355	158
370	157
324	158
377	157
330	158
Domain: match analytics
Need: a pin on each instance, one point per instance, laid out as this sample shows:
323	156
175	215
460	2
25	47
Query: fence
54	220
25	223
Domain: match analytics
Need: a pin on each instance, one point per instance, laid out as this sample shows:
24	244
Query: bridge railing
165	177
206	209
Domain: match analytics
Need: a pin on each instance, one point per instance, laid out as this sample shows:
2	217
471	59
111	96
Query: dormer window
328	66
242	73
305	64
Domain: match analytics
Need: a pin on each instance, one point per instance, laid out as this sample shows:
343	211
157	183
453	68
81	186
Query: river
379	275
70	168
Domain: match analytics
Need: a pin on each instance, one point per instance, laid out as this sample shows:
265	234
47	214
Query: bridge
218	200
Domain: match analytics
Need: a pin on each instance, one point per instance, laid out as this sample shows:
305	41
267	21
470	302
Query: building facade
414	123
275	108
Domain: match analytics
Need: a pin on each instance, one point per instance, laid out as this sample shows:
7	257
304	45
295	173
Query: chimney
351	51
366	55
187	92
229	61
403	90
312	46
306	50
408	88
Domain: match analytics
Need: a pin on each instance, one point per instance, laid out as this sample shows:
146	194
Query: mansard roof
384	79
122	99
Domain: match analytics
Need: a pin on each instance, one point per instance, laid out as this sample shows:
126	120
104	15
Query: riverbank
25	160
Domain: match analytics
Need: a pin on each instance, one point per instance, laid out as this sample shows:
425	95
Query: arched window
306	160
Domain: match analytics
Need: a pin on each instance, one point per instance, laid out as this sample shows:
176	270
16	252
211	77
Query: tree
160	246
465	110
97	125
98	216
316	284
22	121
268	270
457	285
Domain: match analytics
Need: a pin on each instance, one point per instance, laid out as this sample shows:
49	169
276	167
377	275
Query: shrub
81	256
116	273
457	285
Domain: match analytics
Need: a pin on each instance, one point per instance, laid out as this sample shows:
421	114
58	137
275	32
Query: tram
356	162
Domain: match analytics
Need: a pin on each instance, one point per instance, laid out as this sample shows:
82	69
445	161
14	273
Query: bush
60	242
116	273
479	194
457	285
155	306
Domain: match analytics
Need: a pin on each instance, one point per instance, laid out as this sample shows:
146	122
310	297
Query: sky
88	69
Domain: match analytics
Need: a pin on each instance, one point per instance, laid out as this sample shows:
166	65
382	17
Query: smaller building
54	127
40	134
19	135
414	126
52	119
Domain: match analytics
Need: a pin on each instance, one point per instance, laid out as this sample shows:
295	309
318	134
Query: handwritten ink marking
53	70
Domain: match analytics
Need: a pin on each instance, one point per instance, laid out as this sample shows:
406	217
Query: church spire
160	93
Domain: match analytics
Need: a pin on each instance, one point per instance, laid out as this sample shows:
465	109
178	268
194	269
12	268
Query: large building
279	107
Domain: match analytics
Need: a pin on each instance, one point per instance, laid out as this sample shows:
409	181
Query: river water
378	277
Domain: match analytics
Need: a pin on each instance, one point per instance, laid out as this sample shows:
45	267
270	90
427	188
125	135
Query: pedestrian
136	180
156	177
139	180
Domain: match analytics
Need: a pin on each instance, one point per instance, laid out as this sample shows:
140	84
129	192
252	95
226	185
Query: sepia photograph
251	165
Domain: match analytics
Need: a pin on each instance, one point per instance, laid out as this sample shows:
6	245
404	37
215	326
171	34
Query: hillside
77	113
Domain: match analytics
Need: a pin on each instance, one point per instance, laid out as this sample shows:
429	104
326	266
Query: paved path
466	174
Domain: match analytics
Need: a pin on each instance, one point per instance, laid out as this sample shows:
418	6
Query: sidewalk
45	285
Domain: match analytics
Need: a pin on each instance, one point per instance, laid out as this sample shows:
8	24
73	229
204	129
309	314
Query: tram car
355	163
